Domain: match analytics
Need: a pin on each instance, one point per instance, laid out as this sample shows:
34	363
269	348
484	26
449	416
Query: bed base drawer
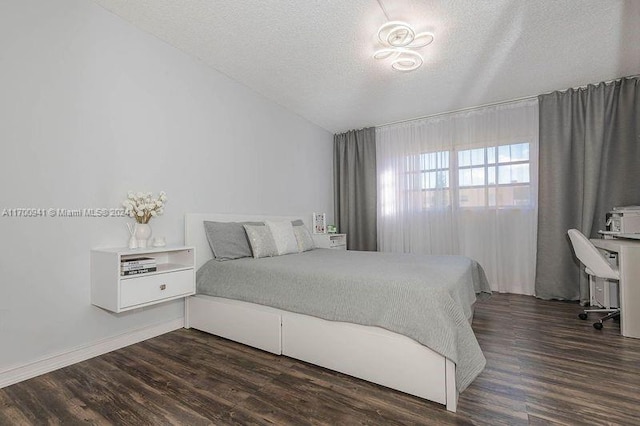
235	321
369	353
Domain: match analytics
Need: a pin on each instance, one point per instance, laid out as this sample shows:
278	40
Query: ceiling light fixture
398	39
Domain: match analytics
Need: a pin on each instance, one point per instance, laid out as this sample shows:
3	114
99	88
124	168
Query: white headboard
194	234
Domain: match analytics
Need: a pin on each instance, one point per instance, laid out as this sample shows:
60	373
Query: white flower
142	206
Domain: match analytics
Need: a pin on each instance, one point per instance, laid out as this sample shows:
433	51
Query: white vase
133	242
143	232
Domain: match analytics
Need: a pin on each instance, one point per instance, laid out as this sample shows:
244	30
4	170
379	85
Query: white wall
91	107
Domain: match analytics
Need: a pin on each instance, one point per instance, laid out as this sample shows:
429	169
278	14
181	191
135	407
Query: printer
623	220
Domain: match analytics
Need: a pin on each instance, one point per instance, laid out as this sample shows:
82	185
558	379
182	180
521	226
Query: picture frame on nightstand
319	223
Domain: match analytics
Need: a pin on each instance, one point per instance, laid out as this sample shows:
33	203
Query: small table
628	252
331	241
170	276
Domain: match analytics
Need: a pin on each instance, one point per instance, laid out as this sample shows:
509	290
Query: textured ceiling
314	57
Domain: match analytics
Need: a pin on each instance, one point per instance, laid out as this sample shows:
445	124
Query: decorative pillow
297	222
282	232
261	241
303	236
228	240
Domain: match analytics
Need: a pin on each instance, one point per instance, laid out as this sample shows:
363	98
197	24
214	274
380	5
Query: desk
628	252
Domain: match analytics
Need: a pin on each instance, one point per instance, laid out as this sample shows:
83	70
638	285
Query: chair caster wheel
597	325
582	316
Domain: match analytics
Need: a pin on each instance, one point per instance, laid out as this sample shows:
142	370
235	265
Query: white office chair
595	265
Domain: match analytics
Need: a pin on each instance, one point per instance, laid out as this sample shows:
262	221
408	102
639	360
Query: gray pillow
297	222
261	241
228	240
305	241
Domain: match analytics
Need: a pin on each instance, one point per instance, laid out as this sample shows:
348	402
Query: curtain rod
525	98
457	110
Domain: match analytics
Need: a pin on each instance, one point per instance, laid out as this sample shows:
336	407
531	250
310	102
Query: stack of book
138	265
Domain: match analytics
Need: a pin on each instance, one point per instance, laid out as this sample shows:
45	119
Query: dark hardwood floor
544	366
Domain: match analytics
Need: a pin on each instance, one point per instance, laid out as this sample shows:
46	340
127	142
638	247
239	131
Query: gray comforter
427	298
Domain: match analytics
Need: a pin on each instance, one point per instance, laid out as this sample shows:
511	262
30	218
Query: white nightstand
173	279
330	241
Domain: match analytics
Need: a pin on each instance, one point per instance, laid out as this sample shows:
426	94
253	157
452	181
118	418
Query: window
428	175
495	176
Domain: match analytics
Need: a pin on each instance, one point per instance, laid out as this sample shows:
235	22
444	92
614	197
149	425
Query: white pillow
282	232
261	241
305	241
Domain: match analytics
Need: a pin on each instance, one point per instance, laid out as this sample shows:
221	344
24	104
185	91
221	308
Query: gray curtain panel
354	183
589	163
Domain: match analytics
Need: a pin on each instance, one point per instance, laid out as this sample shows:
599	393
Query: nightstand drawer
338	243
330	241
141	290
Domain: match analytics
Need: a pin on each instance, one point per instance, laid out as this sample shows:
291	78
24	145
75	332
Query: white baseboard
50	363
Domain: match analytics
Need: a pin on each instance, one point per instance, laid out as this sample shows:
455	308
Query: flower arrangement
142	206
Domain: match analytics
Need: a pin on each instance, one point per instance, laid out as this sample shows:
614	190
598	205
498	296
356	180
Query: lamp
398	39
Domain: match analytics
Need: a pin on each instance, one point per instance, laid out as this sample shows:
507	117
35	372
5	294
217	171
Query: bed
372	338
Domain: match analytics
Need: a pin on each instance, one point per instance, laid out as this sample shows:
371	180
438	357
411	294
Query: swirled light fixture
398	39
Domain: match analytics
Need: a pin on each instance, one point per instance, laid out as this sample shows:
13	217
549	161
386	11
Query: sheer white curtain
464	183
